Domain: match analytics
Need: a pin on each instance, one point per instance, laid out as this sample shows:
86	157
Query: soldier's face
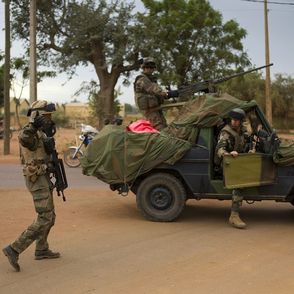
235	123
149	70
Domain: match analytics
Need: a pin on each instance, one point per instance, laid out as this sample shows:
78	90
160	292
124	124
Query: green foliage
60	119
248	87
283	98
72	33
190	40
131	109
20	70
252	86
187	37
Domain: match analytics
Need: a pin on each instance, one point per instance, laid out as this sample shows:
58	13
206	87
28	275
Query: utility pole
268	101
6	149
33	58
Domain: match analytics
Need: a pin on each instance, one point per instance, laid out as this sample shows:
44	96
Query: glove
172	93
39	122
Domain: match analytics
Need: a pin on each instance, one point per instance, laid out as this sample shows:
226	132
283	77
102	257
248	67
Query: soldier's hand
39	121
234	153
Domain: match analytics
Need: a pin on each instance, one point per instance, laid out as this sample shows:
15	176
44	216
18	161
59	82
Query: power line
270	2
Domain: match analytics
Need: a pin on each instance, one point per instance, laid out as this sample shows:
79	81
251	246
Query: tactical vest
144	100
37	156
237	140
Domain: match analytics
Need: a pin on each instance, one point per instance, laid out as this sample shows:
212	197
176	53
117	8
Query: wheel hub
161	198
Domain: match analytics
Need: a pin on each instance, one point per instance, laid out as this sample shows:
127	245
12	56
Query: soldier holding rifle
149	95
40	162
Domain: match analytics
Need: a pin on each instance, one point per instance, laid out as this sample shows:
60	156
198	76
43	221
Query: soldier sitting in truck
232	142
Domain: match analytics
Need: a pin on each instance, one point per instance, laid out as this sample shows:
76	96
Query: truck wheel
161	197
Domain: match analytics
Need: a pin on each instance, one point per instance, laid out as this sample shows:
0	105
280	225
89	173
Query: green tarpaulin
119	156
205	111
284	156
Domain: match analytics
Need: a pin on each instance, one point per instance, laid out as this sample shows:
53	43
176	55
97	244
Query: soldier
36	172
232	142
149	96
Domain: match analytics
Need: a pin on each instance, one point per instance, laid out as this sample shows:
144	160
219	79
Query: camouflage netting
284	156
205	111
118	156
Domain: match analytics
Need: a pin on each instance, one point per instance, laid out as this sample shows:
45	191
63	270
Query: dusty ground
108	247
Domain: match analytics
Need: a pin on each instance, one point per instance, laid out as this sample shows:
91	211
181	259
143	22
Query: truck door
248	170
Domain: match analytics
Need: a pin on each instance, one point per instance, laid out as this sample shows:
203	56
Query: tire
161	197
69	160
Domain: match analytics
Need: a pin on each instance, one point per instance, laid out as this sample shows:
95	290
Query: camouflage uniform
36	168
231	140
149	96
38	183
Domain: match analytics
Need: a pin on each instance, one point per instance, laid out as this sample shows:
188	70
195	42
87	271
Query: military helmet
148	62
237	113
40	107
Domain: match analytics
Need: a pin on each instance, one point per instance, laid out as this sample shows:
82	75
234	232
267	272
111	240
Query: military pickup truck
163	186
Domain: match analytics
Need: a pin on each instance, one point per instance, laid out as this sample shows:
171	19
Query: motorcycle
73	154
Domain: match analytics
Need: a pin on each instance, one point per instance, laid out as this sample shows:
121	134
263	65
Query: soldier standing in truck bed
149	95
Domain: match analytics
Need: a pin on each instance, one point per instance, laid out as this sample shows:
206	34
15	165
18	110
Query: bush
282	124
60	119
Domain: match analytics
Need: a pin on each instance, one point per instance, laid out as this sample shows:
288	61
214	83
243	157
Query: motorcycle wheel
69	158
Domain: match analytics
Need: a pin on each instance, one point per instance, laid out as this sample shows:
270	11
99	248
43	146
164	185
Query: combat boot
235	220
12	256
46	254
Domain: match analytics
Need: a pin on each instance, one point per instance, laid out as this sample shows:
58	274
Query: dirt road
108	247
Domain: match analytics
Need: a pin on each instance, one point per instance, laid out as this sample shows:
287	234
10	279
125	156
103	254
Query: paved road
11	177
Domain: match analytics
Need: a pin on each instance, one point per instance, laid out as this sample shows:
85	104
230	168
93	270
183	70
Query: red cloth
141	126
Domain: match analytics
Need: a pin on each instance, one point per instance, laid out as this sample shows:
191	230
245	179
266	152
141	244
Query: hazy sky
250	16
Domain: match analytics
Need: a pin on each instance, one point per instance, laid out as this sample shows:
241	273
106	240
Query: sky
249	15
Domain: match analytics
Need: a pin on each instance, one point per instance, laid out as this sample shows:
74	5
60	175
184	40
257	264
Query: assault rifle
57	168
208	85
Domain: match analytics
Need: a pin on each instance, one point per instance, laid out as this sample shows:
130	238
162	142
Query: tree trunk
104	106
17	114
105	96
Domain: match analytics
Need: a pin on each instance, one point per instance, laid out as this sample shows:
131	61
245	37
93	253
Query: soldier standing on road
36	172
232	142
149	95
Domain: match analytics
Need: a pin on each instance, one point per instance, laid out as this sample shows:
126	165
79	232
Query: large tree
72	33
190	40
